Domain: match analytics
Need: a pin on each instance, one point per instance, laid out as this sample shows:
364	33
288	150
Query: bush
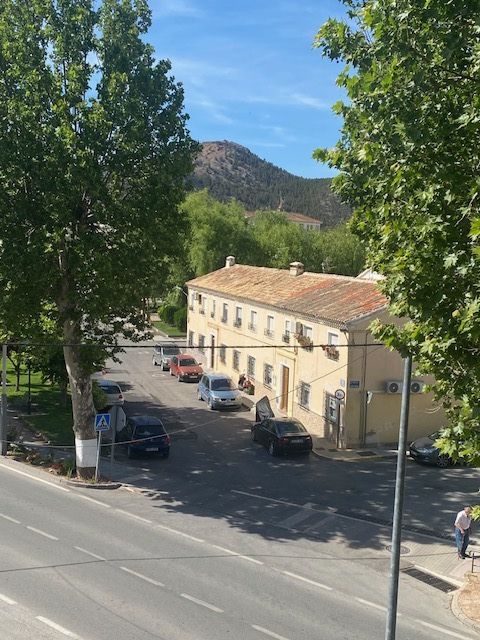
167	312
180	318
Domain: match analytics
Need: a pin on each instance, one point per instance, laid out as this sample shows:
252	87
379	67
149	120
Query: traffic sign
102	422
339	394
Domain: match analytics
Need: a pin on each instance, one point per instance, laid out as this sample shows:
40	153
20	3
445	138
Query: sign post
339	396
102	423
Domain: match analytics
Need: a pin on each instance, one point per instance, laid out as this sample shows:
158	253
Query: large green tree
409	158
93	154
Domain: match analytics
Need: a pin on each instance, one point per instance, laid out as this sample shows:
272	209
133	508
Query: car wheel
253	435
199	396
154	362
211	406
443	461
130	452
272	449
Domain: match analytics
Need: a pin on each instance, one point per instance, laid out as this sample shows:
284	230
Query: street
220	540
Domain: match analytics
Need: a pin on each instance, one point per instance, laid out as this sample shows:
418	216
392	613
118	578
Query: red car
185	367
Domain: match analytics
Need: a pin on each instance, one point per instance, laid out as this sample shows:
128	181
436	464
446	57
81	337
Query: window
270	326
268	375
331	408
191	337
236	360
238	317
287	331
307	331
253	321
202	301
331	351
304	395
212	312
201	343
222	352
251	367
192	299
332	338
225	312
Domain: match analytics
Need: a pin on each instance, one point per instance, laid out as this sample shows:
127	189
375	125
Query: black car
424	450
145	434
282	435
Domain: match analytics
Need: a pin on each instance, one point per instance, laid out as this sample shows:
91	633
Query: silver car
112	391
162	354
218	391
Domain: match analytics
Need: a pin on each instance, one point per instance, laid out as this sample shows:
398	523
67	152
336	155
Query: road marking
180	533
372	604
22	473
89	553
267	632
7	599
298	517
237	555
42	533
202	603
102	504
462	636
132	515
2	515
57	627
316	584
289	504
142	577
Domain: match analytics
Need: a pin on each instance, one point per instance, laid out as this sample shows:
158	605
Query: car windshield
223	384
111	389
147	430
290	427
170	351
187	362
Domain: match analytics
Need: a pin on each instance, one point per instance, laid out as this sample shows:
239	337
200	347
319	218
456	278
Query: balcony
202	311
286	338
331	352
252	327
224	319
212	314
190	306
268	333
304	341
237	323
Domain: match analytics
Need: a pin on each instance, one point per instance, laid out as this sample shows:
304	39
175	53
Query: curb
89	485
458	613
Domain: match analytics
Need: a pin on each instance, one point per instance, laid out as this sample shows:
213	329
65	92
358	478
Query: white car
113	392
162	354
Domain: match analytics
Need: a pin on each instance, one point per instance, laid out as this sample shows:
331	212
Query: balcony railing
224	319
304	341
252	327
212	314
286	337
332	352
237	323
202	311
190	306
268	333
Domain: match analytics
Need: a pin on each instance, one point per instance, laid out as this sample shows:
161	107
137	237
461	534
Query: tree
94	151
408	159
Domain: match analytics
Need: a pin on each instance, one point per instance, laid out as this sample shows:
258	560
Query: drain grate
432	581
403	550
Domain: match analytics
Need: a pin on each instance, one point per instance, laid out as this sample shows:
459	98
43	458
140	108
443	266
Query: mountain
229	170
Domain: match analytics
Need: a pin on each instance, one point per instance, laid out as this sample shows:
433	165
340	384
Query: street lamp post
182	290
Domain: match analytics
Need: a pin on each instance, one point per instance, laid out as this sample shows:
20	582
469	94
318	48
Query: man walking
462	531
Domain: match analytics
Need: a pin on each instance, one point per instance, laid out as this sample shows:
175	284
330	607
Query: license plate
296	440
151	449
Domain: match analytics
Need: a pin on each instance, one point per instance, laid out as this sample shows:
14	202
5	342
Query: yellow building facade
302	339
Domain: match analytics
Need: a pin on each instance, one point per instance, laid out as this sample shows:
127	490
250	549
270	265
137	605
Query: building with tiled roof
303	340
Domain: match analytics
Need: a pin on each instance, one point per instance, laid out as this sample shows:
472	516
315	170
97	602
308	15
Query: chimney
296	268
229	262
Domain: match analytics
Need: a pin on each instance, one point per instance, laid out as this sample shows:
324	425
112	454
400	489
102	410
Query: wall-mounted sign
354	384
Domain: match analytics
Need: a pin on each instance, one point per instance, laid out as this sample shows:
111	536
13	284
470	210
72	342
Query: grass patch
49	415
168	329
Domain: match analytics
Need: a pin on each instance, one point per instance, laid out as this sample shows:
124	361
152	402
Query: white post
99	441
3	415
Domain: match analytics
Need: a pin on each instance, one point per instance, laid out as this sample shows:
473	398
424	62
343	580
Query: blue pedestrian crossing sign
102	422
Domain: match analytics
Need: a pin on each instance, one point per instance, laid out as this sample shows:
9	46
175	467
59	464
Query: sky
251	75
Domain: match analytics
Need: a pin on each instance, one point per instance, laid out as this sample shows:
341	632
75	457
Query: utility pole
3	414
391	623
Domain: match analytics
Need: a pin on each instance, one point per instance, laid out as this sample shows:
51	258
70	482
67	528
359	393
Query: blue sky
251	75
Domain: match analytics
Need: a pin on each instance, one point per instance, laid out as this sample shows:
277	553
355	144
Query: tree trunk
82	402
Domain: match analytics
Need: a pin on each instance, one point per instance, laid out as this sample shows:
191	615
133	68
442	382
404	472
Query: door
284	393
212	351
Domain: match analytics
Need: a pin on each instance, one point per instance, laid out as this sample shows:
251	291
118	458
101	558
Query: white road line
42	533
237	555
57	627
142	577
22	473
89	553
316	584
372	604
289	504
2	515
102	504
7	599
452	634
267	632
201	603
180	533
132	515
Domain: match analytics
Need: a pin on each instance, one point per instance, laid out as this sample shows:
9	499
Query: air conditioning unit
394	386
416	386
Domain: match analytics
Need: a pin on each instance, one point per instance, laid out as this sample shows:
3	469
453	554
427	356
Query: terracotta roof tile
320	296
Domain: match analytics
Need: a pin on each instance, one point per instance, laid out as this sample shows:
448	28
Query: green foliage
167	313
180	318
100	399
408	157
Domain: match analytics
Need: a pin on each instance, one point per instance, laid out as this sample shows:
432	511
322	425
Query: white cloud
213	109
310	101
199	73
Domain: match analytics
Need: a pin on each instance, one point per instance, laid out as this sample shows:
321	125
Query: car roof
145	420
107	383
217	376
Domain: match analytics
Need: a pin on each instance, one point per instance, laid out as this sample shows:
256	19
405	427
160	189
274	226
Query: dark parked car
282	435
145	434
424	450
